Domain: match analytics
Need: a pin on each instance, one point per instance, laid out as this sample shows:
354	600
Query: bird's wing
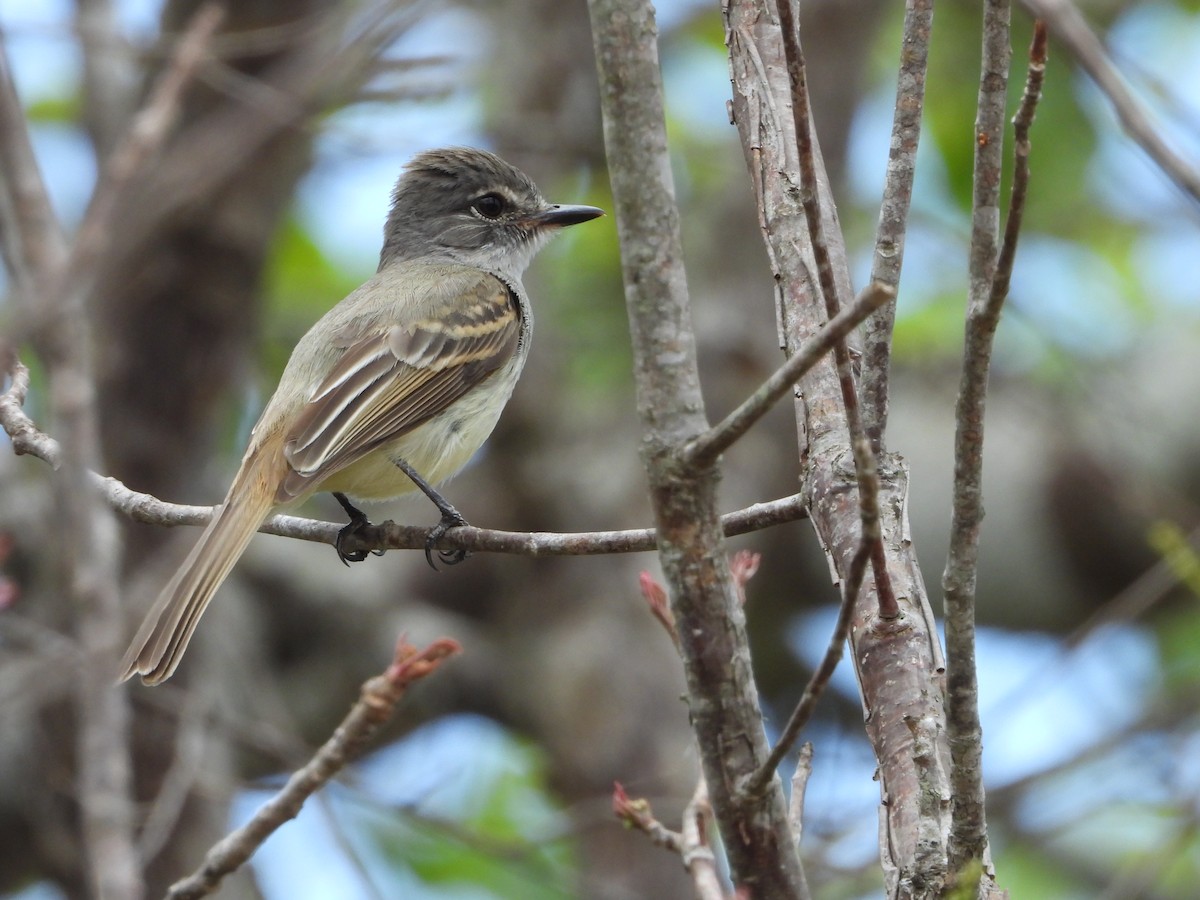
392	378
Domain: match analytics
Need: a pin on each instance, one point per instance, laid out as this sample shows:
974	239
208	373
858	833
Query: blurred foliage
498	837
302	283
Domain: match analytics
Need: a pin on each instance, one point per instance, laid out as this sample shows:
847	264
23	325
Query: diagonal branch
864	463
819	679
376	705
704	450
1066	22
893	214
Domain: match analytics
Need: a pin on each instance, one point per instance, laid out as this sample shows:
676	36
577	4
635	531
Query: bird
395	388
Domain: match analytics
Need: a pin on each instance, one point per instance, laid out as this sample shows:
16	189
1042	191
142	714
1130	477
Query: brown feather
388	383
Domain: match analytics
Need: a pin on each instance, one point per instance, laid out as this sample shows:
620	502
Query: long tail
164	635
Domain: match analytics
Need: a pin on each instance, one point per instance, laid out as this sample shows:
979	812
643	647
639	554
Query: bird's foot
358	521
451	518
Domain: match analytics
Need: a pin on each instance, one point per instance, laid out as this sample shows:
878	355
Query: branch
893	213
819	679
27	439
1067	23
991	269
32	238
704	450
898	661
864	462
147	133
53	287
722	695
690	842
380	696
804	760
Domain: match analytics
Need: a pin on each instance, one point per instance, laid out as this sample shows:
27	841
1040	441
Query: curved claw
358	521
451	519
356	556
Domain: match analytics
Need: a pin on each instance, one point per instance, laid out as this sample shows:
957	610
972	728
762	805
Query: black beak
558	216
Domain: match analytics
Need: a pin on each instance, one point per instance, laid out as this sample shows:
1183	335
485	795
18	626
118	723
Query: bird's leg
358	520
451	518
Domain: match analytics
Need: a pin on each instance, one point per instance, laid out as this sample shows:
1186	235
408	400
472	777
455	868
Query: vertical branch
54	282
897	660
893	214
36	253
722	695
968	829
864	461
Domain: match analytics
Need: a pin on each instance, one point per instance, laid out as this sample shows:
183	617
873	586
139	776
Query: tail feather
164	635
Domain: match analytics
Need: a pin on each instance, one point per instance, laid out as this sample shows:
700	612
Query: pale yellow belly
437	450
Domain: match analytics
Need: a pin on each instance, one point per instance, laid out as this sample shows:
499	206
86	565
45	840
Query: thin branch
32	238
636	813
704	450
147	133
804	761
380	696
1022	123
864	464
893	213
1066	22
820	677
690	842
27	439
990	270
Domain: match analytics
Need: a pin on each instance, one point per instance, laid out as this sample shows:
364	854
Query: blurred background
267	208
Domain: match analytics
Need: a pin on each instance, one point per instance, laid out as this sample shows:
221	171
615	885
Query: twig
27	439
990	271
804	760
864	464
893	214
704	450
819	678
690	842
1022	122
1067	23
380	696
638	814
32	238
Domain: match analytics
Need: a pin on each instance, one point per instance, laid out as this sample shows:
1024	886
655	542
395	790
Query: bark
898	662
722	696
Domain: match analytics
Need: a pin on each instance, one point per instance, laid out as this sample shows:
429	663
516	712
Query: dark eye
490	206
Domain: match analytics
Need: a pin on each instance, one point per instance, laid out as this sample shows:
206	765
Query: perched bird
393	389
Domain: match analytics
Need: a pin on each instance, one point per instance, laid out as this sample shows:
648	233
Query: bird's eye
490	206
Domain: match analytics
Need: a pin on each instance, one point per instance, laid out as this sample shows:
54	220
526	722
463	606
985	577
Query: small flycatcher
396	387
